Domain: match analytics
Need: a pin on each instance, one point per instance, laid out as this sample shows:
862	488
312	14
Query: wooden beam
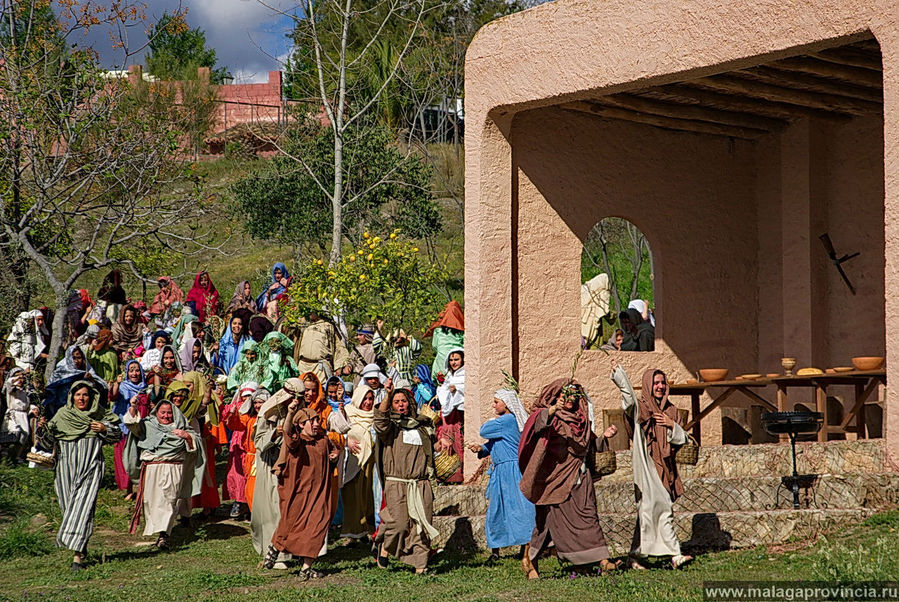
802	98
853	75
708	409
860	398
776	110
801	81
756	397
667	123
852	57
697	113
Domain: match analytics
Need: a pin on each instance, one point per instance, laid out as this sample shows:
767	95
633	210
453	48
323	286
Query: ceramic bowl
711	375
865	363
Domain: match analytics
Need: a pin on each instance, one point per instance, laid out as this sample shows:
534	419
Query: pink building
733	133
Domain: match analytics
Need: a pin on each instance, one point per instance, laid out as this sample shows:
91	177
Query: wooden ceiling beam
852	57
667	123
692	112
804	98
776	110
792	79
853	75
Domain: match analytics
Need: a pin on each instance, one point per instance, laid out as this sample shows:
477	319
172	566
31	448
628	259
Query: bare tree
91	165
618	248
338	44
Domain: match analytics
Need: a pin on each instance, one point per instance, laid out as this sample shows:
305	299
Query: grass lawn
216	561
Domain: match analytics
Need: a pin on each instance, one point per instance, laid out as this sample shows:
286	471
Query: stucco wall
690	194
574	49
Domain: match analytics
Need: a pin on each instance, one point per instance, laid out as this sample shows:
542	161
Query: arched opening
617	297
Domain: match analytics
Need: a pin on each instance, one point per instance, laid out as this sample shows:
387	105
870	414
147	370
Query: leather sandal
680	560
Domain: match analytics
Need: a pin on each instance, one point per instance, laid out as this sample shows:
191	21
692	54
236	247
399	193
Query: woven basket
41	459
426	411
605	463
446	465
688	453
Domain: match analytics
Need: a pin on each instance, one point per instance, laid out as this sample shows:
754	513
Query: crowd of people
323	438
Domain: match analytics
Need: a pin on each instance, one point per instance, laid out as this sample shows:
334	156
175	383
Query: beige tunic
402	456
164	483
320	350
266	502
655	511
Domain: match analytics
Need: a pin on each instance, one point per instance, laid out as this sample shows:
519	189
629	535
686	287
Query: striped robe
79	473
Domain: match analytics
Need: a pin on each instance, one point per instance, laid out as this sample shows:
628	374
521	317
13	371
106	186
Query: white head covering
640	306
373	371
513	403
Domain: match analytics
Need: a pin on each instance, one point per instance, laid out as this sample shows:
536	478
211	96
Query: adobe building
733	133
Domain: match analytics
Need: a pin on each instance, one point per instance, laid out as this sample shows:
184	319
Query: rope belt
139	499
415	505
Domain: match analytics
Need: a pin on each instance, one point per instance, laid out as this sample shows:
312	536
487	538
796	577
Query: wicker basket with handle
605	463
688	453
446	464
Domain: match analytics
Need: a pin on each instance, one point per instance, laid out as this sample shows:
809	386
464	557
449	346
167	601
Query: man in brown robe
362	355
405	460
556	444
304	488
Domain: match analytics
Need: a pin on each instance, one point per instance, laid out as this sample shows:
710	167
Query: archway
617	271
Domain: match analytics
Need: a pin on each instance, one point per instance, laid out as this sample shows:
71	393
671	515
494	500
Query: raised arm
628	397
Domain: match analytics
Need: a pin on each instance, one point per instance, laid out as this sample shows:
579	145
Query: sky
248	36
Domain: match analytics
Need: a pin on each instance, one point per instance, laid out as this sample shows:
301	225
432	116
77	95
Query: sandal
271	556
311	573
383	561
607	565
493	558
634	565
162	542
423	571
680	560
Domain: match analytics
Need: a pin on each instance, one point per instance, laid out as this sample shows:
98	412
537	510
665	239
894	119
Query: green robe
443	341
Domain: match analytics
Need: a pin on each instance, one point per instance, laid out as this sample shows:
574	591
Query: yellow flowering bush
393	282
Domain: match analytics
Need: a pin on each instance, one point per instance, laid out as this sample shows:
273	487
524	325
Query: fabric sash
415	505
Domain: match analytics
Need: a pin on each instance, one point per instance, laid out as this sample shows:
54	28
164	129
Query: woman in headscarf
77	310
240	416
227	350
405	457
267	301
203	404
153	355
73	367
127	332
448	333
658	432
202	297
510	516
183	329
357	489
235	486
425	389
112	293
164	440
639	335
251	367
168	295
332	421
128	389
26	340
305	490
168	368
103	357
242	299
557	443
268	438
192	356
195	466
279	362
15	412
451	394
79	431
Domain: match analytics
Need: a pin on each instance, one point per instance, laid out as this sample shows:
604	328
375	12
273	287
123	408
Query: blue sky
245	34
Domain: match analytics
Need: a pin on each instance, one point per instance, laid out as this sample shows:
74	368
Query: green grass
216	561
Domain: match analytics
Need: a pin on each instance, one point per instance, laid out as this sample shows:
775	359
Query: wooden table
865	384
